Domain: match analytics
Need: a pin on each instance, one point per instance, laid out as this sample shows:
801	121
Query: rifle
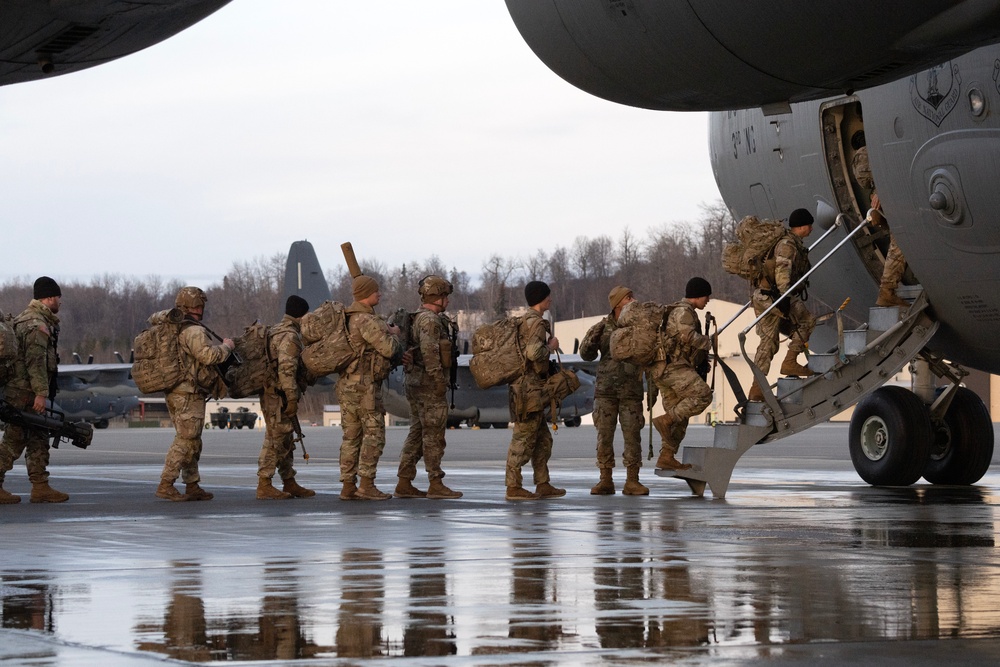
453	371
52	422
296	426
652	393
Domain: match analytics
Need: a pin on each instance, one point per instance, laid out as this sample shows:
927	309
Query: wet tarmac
802	563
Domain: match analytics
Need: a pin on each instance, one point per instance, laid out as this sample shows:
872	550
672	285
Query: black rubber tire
891	437
500	424
573	422
963	446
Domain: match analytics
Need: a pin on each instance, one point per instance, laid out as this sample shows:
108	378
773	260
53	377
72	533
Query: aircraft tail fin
304	276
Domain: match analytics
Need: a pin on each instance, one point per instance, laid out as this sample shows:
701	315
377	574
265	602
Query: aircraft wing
95	393
44	38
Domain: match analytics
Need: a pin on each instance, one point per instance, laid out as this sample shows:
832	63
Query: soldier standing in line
37	332
788	262
359	390
186	401
427	378
617	398
531	440
684	391
280	404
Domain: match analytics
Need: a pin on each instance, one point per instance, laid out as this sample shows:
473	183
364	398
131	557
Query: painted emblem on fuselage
934	92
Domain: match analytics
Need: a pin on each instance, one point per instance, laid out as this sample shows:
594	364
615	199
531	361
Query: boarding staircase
864	360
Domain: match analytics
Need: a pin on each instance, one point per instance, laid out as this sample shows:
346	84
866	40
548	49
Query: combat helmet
190	297
432	287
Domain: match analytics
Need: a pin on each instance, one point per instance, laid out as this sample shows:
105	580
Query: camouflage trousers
278	450
428	421
362	417
683	395
187	411
531	441
35	447
608	412
895	265
768	329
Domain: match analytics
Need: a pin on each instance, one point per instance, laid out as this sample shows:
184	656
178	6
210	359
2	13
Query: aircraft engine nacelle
711	56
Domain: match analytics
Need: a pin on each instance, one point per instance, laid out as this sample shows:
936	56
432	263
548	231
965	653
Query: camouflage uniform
426	390
37	331
186	402
531	440
285	348
683	392
359	390
790	262
617	397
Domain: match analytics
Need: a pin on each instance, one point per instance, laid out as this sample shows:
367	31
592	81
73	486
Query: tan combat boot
520	493
8	498
438	491
41	492
266	490
755	393
167	491
291	486
546	490
405	489
368	491
349	491
195	492
632	485
790	366
606	487
667	461
887	297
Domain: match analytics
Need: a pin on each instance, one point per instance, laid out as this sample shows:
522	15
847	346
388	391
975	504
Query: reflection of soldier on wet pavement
359	622
428	630
184	629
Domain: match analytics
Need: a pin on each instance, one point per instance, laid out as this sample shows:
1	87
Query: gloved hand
292	408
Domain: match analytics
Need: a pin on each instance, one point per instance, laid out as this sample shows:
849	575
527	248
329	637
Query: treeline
103	316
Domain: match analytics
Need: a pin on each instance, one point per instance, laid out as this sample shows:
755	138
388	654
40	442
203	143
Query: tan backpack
497	355
755	240
326	341
157	357
249	377
637	338
8	348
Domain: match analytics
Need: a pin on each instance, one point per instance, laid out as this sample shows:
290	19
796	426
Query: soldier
37	332
895	262
280	403
186	401
617	398
682	388
427	379
788	262
531	440
359	390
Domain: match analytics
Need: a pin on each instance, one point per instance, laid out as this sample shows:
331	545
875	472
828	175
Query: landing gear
890	437
963	442
573	422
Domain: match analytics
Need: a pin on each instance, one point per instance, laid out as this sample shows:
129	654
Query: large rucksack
639	334
256	368
327	343
755	240
157	365
497	355
8	348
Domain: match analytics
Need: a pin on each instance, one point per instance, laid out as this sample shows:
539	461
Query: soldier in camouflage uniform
37	332
683	390
895	262
427	378
186	401
617	398
789	261
359	390
531	440
280	404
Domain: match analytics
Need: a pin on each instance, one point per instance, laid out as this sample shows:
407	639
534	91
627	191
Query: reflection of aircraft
924	88
96	393
42	38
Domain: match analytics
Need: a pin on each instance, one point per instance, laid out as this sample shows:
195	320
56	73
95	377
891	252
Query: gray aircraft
95	393
810	82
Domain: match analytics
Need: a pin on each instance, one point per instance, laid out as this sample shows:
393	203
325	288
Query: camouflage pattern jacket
431	353
37	331
789	262
198	357
285	348
685	343
526	391
369	334
615	379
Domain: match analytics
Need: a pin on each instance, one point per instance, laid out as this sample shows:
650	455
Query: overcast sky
407	128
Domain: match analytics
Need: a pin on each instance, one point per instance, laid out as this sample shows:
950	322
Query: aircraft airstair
864	360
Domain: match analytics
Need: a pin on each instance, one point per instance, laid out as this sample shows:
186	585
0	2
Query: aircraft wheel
890	437
573	421
103	423
963	442
499	424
